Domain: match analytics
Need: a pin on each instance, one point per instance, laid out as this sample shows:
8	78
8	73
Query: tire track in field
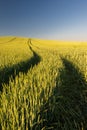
69	109
31	44
14	70
9	40
73	90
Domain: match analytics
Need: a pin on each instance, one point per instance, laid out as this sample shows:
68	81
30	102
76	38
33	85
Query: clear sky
48	19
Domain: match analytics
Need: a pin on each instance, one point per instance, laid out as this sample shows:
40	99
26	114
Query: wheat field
43	84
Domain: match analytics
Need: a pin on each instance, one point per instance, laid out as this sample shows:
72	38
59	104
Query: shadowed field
51	95
13	71
66	109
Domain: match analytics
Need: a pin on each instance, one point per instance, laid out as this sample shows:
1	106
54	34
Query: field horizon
56	40
46	42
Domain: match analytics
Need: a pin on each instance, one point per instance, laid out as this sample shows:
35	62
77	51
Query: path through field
67	107
46	89
13	71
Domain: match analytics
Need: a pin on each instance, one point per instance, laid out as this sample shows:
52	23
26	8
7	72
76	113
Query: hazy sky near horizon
46	19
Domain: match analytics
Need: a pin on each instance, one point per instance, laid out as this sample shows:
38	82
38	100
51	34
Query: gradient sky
48	19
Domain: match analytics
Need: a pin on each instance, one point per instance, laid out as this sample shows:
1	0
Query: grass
44	84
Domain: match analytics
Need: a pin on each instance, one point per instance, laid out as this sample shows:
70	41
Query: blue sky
46	19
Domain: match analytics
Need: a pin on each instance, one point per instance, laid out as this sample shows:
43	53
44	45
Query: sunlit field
43	84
